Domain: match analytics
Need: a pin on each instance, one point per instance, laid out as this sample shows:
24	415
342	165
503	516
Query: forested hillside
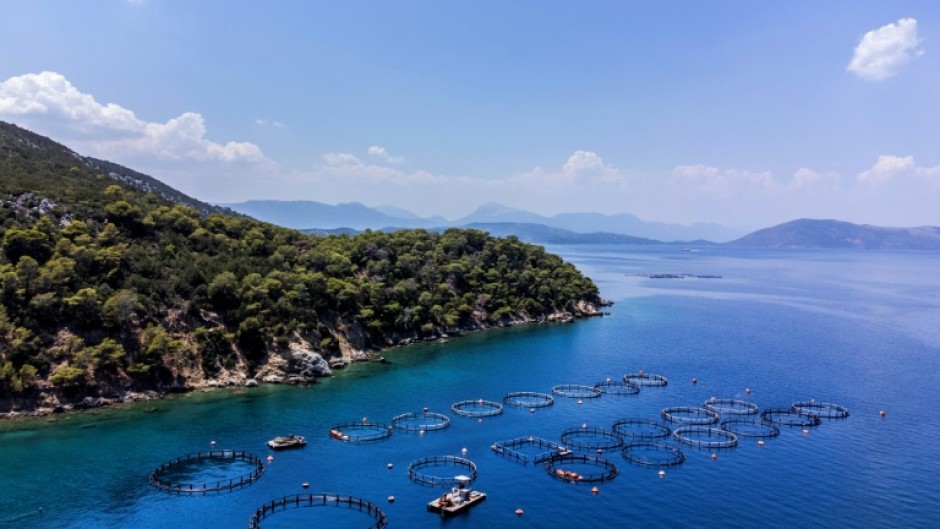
108	288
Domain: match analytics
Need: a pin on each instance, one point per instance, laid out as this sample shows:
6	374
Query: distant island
114	286
810	233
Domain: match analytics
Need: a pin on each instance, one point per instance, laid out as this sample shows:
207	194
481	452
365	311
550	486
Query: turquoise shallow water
859	329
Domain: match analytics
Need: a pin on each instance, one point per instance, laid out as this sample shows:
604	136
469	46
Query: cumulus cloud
112	130
582	168
891	168
261	122
381	152
709	179
883	52
805	178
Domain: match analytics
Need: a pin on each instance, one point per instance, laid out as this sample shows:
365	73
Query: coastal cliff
116	287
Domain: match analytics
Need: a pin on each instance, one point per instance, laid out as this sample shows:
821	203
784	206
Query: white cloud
582	168
261	122
890	168
382	153
717	181
112	130
883	52
806	178
340	158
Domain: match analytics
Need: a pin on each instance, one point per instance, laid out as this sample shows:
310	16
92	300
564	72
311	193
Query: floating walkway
750	428
511	449
159	479
789	417
319	500
705	437
730	406
823	410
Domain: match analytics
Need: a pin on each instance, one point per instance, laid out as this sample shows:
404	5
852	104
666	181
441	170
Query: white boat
289	441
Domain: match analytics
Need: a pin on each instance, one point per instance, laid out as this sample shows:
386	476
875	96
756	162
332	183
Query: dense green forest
109	284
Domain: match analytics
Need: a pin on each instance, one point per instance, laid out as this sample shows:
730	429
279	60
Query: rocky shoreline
297	364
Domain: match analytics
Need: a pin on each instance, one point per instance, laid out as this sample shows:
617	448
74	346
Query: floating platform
453	507
289	441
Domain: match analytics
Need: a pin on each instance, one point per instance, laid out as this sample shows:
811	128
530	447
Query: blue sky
741	113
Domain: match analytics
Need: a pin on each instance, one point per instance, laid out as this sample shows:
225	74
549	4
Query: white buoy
760	443
270	459
662	473
463	451
391	466
584	426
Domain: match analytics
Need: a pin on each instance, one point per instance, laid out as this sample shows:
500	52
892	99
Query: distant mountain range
306	214
811	233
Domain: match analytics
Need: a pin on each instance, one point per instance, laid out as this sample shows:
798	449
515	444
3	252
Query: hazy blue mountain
542	234
309	214
812	233
623	223
400	213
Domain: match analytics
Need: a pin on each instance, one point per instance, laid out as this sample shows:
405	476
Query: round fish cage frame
576	391
789	417
360	432
623	428
618	388
717	438
477	408
590	439
823	410
646	379
606	469
157	477
318	500
750	428
528	399
730	406
511	449
422	421
415	470
631	452
689	415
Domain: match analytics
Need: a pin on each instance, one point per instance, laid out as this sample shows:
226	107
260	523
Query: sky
741	113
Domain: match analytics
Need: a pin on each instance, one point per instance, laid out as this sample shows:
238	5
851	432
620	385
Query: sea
860	329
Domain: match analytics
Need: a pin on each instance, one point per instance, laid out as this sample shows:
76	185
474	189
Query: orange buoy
519	512
642	372
391	499
714	457
595	490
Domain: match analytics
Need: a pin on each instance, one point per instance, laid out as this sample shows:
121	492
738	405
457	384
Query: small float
458	499
288	441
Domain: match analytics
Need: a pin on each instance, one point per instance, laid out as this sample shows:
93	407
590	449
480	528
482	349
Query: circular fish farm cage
651	454
730	406
477	408
590	439
789	417
422	421
750	428
705	437
426	471
689	415
823	410
528	399
641	429
175	476
360	432
540	450
618	388
576	391
646	379
580	469
319	500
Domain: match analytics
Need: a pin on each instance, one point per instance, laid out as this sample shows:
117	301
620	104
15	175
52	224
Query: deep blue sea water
861	329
